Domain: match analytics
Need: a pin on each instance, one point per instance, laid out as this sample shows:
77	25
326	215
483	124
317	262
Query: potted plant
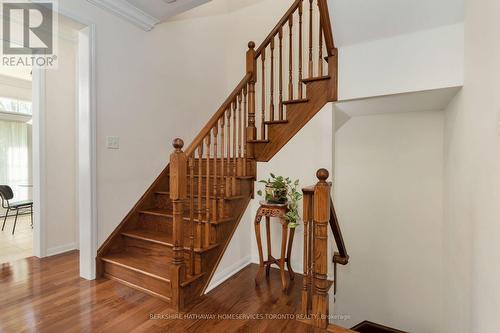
281	190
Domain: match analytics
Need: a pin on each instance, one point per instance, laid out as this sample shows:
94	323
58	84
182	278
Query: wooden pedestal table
269	210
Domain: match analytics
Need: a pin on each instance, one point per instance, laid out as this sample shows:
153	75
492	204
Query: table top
270	204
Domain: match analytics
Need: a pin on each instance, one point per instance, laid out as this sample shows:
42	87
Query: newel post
321	212
333	69
251	69
178	194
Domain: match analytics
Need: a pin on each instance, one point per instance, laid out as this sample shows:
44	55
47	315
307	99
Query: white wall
151	87
472	164
388	197
418	61
60	149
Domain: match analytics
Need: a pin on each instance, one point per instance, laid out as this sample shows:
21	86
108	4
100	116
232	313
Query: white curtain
14	158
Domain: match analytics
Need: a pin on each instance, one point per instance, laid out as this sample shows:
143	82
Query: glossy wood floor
19	245
48	296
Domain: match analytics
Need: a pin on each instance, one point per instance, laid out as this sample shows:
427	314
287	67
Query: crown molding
127	11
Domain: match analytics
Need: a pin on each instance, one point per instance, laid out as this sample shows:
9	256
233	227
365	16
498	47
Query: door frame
86	151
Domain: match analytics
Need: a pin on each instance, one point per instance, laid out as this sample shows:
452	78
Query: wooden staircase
170	243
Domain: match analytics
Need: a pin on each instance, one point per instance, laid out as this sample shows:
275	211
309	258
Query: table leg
289	254
259	247
268	238
284	236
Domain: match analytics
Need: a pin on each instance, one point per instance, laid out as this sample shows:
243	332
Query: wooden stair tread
150	236
235	197
219	176
318	78
161	238
141	264
258	141
276	122
295	101
168	213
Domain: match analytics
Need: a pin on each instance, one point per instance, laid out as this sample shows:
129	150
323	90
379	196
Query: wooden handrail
340	257
326	25
215	118
275	31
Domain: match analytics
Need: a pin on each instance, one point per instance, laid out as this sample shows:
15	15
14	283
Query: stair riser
139	280
156	223
162	252
147	249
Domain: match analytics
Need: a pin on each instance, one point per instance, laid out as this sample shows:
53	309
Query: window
15	106
15	157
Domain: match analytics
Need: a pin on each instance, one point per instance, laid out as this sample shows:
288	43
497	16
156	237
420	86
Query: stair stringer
298	115
131	219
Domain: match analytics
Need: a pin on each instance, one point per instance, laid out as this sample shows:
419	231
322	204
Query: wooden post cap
178	144
322	175
251	44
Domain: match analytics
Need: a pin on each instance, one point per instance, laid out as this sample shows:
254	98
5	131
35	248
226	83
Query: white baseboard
61	249
226	273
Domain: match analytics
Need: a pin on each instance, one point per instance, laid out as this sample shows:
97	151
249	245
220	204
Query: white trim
87	166
226	273
127	11
88	239
39	182
61	249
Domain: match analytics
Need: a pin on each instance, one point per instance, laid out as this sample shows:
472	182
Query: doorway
52	233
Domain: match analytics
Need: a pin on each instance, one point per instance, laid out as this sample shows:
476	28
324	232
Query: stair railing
318	213
303	35
204	175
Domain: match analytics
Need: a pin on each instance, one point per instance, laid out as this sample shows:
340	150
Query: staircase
170	243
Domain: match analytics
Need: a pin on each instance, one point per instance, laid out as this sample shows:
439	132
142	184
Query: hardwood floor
47	295
19	245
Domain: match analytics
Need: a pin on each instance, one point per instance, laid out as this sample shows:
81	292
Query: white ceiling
356	21
164	9
428	100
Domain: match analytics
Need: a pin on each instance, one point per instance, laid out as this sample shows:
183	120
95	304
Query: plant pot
276	195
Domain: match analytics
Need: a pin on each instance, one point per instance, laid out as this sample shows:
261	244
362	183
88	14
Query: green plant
283	190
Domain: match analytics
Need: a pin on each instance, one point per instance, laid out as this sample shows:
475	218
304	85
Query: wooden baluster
228	165
321	208
320	51
290	59
235	127
199	193
271	106
306	291
311	72
300	52
280	37
245	131
178	194
251	69
240	135
206	239
192	230
263	112
215	182
222	183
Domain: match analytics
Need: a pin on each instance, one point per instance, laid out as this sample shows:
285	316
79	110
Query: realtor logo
28	30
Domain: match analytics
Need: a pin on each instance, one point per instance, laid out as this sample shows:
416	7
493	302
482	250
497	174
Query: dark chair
6	194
